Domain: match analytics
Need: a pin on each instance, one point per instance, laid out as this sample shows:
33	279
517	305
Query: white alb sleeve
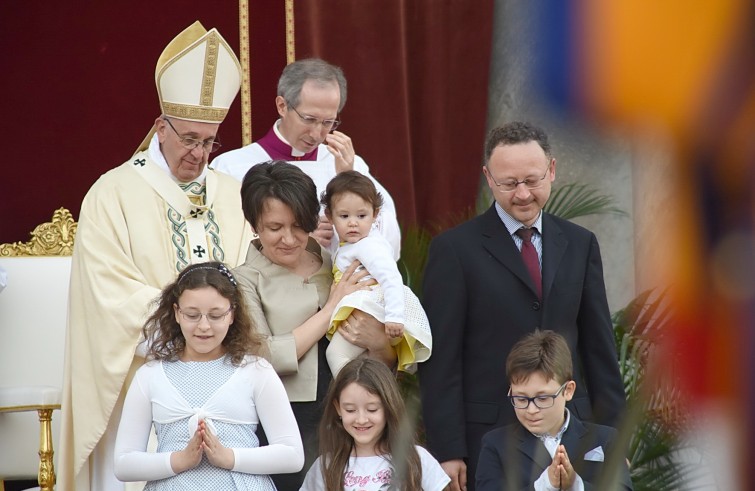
387	220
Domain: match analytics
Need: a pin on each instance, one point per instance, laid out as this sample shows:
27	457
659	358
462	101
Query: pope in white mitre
140	225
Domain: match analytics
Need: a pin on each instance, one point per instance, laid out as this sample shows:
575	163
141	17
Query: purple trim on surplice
279	150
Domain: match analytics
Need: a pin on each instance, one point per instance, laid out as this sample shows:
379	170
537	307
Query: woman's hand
216	453
350	283
368	333
189	457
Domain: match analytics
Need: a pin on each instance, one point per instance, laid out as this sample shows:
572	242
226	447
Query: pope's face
185	164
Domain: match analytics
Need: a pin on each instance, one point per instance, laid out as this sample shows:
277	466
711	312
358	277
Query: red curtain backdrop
418	84
80	92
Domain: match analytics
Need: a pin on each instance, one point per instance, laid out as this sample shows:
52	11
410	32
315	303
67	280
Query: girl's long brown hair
396	442
163	333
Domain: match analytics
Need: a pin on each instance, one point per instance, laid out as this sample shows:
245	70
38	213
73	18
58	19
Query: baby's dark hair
351	181
541	351
163	331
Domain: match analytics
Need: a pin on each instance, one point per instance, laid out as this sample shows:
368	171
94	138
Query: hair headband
221	267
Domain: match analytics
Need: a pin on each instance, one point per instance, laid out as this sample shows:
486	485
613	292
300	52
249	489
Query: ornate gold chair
33	309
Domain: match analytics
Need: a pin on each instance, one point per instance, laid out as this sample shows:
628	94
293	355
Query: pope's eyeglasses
208	146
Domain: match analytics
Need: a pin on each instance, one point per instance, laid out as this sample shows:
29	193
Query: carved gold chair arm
53	238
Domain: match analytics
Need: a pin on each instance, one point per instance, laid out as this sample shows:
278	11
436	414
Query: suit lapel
535	450
572	440
497	241
554	247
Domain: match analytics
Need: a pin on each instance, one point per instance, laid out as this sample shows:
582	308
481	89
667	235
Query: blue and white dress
232	401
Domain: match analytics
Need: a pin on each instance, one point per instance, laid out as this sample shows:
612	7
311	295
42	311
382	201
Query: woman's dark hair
163	332
277	179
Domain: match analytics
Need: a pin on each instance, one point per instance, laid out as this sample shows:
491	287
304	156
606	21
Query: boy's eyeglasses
540	402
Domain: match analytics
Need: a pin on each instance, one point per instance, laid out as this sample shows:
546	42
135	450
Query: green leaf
576	200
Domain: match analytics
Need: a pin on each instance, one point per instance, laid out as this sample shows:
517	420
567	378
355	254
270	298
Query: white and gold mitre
197	76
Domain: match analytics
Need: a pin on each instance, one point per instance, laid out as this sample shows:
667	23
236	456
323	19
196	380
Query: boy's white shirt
543	483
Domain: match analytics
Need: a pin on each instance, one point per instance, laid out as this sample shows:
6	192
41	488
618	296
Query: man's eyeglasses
510	185
213	318
208	146
540	402
328	124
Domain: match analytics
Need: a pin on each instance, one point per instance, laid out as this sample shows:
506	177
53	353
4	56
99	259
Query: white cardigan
254	394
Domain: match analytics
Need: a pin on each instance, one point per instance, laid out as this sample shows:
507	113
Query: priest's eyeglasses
510	185
328	124
540	402
208	146
193	317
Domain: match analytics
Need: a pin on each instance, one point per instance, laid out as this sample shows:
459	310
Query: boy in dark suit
550	448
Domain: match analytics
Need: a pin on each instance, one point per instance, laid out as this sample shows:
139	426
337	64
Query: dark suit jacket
512	458
480	300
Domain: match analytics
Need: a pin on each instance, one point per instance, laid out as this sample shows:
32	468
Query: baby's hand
394	329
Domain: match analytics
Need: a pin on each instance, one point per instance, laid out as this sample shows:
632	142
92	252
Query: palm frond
656	404
414	246
576	200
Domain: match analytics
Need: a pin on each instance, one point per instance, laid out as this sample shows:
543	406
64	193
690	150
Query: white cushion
29	396
33	309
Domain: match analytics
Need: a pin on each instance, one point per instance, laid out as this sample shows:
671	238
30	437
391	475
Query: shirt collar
158	158
294	151
512	224
557	437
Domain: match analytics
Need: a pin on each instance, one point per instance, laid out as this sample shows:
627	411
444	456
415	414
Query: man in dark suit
483	292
